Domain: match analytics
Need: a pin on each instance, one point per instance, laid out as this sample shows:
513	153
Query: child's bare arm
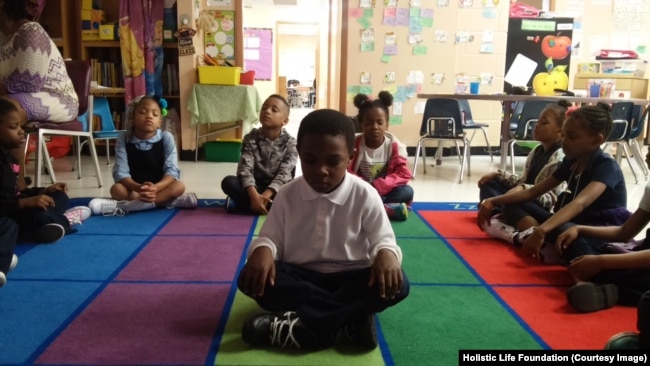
258	271
387	274
626	232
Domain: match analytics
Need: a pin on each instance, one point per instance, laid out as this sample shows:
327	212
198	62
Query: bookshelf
56	19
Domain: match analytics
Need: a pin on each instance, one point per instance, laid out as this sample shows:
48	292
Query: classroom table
507	101
232	106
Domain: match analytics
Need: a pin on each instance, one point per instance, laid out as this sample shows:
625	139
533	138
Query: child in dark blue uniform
146	170
36	214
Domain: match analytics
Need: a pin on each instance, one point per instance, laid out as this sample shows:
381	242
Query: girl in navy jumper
379	158
146	170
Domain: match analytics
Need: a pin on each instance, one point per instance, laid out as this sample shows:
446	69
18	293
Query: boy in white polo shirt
326	258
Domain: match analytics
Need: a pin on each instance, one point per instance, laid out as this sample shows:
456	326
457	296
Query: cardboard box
107	31
227	150
220	75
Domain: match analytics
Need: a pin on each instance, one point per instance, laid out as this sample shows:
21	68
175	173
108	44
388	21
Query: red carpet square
546	311
187	258
212	221
499	263
153	324
454	224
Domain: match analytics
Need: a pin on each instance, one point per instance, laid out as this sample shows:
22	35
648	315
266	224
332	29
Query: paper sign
368	35
419	50
416	3
389	77
365	77
390	12
367	90
520	71
415	38
437	78
397	109
414	25
388	21
414	12
368	13
486	78
385	59
395	120
391	88
488	36
391	3
415	77
440	36
426	13
419	107
426	22
390	39
402	17
366	3
390	49
356	12
367	46
443	3
364	22
487	48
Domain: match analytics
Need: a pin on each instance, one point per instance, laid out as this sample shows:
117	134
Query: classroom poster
220	41
258	52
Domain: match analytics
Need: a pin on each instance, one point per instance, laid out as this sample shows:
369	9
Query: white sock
136	205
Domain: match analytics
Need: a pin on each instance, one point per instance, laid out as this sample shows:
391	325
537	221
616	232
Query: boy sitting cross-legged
326	258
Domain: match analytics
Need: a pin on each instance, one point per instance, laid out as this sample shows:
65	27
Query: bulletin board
258	52
220	40
409	47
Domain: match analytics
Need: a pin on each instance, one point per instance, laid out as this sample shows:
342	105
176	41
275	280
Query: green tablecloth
224	103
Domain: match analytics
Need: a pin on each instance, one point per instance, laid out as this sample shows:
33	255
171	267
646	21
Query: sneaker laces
111	208
282	327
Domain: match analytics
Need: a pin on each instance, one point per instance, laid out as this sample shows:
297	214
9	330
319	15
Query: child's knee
120	192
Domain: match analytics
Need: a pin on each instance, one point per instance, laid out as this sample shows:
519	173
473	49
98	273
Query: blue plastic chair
108	131
470	124
526	121
442	120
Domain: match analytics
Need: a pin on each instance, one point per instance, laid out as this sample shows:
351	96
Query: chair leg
417	156
638	156
511	147
48	163
460	159
39	160
93	153
463	160
487	142
108	160
622	144
77	143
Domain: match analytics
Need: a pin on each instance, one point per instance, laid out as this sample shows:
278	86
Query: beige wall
448	58
297	56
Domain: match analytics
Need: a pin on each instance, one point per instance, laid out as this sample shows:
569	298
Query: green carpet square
434	322
413	227
431	261
234	351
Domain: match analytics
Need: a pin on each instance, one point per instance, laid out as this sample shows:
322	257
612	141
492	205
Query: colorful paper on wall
367	46
353	90
397	108
220	42
414	25
365	77
364	22
390	50
356	13
395	120
391	88
419	50
385	59
403	17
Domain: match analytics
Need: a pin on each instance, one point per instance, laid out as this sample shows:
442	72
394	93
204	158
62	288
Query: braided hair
558	110
364	104
596	119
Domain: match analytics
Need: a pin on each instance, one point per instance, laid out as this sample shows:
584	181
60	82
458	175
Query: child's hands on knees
41	201
486	178
566	238
257	272
386	272
533	243
586	266
148	192
484	214
259	202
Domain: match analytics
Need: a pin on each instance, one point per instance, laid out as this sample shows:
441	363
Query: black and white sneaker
49	233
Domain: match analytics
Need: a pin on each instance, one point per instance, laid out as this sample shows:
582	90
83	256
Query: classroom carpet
159	288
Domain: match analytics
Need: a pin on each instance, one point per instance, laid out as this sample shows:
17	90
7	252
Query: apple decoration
545	83
556	47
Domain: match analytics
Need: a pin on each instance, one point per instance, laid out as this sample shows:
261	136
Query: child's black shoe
362	332
623	341
49	233
588	297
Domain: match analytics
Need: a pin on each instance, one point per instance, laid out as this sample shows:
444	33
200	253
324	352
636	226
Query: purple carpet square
131	324
208	222
187	258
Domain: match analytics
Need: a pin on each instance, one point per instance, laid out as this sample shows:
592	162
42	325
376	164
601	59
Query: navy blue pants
643	320
493	188
399	194
231	186
8	238
31	219
325	302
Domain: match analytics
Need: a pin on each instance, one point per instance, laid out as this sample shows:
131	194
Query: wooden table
507	101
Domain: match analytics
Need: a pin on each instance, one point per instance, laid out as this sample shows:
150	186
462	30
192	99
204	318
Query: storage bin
221	75
247	78
227	150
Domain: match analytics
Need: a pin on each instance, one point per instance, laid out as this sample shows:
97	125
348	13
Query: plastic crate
221	75
223	150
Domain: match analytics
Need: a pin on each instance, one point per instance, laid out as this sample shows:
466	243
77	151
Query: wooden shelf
112	43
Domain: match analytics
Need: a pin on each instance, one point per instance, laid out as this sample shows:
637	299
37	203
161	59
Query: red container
247	78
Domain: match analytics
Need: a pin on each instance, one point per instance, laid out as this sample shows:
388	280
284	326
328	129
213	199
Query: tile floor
204	178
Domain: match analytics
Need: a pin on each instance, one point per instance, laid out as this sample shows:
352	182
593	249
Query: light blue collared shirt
170	167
